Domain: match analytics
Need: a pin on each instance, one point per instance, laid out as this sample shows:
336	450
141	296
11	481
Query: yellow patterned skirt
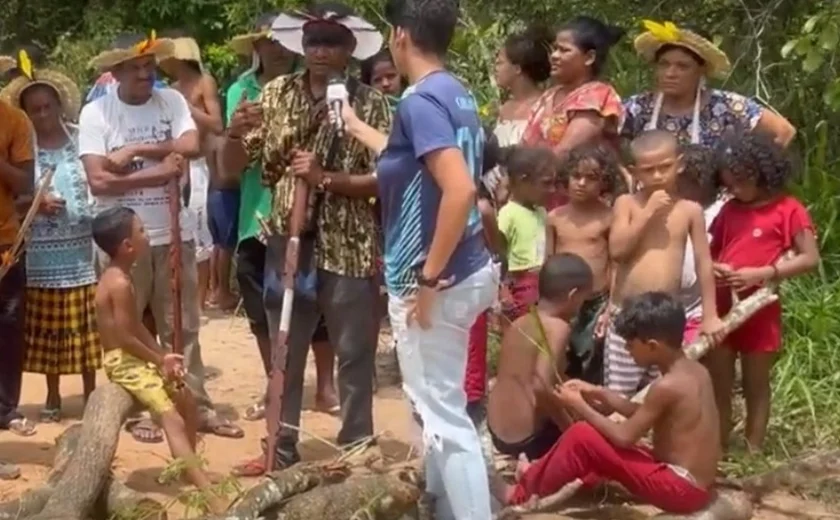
142	380
61	334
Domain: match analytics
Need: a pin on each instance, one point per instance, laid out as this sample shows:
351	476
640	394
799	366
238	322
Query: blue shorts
223	217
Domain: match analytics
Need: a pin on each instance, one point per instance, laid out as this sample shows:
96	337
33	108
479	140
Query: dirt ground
228	347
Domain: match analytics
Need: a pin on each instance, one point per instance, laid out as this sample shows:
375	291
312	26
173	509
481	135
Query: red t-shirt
748	236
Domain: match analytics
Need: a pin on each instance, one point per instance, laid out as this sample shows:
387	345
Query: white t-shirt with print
107	124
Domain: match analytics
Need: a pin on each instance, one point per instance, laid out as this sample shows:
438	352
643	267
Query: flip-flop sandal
255	412
145	431
330	410
9	471
221	428
50	415
22	426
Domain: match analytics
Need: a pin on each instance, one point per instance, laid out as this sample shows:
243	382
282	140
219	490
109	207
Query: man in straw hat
289	134
132	141
682	104
268	60
199	88
17	170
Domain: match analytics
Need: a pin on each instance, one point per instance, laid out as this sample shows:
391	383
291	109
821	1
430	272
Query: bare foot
327	402
226	302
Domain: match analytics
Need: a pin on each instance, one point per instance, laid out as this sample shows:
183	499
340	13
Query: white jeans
433	364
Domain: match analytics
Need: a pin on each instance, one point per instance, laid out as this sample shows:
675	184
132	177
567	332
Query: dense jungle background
785	53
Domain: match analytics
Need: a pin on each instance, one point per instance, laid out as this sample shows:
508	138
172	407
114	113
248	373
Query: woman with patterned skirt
61	334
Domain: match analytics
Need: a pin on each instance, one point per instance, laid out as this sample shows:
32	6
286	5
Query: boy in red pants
677	473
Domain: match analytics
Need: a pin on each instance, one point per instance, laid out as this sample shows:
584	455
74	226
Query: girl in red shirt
749	237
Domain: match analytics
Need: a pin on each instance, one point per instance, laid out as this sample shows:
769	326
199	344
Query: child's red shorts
524	292
583	453
762	333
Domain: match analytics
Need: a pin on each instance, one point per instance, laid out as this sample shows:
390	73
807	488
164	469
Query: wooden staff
276	384
301	137
10	257
175	254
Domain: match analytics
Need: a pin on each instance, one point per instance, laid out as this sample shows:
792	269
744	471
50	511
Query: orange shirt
15	148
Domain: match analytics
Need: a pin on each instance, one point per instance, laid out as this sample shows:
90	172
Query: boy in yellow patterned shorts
133	359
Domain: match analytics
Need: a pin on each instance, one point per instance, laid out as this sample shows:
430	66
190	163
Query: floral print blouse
723	111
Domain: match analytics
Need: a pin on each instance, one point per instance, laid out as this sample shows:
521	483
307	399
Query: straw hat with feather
68	93
125	49
185	49
243	44
657	35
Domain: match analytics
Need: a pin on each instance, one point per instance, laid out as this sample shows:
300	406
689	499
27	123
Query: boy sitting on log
522	418
133	358
677	473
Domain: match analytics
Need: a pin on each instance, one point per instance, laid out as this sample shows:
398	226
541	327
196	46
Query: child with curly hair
749	237
699	181
589	175
532	173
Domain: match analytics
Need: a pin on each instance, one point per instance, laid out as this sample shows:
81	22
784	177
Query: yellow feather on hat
25	64
664	32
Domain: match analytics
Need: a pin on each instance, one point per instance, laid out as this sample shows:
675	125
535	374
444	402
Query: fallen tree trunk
88	468
383	497
279	486
117	499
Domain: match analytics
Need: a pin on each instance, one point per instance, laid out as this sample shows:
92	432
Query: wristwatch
422	281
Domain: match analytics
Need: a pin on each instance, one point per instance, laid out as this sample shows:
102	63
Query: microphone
336	94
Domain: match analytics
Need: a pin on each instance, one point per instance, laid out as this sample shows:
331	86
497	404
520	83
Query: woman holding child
61	334
684	58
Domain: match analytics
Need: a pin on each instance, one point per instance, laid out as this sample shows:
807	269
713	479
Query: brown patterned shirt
347	241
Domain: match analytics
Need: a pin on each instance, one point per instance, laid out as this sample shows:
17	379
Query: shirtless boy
201	92
648	244
677	473
582	227
133	358
518	418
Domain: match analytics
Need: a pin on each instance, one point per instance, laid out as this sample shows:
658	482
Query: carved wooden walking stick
276	383
299	138
175	256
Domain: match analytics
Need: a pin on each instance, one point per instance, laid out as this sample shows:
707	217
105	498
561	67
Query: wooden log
383	497
546	504
278	486
116	500
120	501
88	468
727	505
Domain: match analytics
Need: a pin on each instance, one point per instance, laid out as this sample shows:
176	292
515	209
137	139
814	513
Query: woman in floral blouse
61	333
579	108
682	103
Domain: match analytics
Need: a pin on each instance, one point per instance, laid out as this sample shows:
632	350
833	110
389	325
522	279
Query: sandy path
229	348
